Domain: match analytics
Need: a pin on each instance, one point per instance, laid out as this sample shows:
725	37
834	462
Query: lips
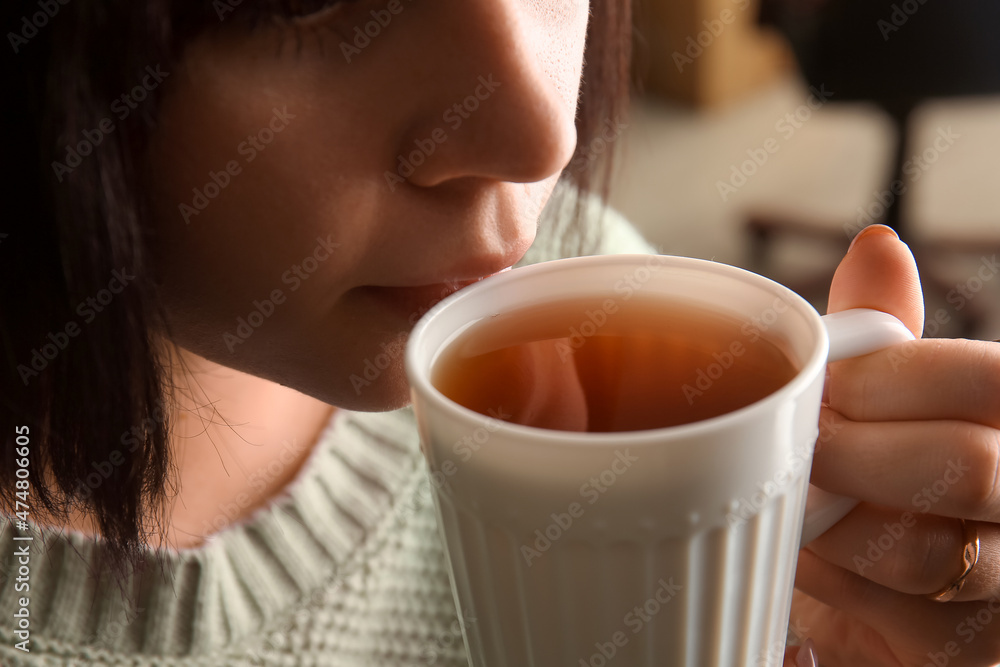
412	302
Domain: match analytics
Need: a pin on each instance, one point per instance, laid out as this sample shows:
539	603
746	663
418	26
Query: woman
238	209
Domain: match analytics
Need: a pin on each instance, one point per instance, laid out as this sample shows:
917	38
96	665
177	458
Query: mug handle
853	333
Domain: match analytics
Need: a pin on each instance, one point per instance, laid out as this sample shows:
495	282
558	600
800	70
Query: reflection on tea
604	365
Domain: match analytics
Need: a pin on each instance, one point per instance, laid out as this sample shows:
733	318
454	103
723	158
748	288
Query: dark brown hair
78	306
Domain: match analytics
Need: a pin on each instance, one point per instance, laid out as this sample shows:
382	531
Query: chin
388	391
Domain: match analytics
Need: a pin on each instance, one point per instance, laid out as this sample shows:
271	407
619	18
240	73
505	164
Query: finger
921	379
839	637
800	656
919	554
951	468
914	626
879	272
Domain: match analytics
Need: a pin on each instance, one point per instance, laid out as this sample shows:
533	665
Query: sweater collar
203	601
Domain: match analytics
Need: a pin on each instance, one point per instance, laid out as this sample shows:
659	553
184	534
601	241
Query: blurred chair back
896	54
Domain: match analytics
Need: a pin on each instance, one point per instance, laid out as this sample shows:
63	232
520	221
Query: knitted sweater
345	567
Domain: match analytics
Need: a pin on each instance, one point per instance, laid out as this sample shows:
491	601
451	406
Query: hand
801	656
917	440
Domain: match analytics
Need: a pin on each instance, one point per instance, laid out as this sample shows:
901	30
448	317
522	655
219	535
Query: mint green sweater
345	568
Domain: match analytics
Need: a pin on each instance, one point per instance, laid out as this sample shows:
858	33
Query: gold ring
970	556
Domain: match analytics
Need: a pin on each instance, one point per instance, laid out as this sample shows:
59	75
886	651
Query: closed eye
306	17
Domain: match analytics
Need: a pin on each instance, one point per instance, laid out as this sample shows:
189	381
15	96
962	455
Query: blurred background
767	133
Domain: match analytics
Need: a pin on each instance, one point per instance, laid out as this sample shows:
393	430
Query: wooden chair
899	55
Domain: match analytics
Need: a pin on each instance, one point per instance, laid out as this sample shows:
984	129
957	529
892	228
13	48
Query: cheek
269	202
261	229
237	210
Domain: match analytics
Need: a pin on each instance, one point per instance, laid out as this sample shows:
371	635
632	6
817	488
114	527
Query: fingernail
873	230
806	657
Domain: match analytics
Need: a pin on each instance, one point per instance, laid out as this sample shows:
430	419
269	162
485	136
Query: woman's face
317	188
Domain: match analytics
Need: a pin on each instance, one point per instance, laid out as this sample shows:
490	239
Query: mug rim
420	382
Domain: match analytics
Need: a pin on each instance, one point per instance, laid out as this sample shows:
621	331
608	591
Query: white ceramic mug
689	558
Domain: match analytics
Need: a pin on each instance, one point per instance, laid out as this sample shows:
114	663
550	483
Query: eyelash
322	10
302	9
313	18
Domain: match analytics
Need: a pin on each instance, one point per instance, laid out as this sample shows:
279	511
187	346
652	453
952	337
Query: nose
499	103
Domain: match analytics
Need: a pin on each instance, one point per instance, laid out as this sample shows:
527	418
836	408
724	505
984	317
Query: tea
603	365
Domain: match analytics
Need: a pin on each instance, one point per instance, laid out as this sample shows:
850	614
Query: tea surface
607	365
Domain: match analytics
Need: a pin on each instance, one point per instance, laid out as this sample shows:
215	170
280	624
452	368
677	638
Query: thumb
801	656
879	272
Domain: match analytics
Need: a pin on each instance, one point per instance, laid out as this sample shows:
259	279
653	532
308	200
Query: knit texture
346	567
